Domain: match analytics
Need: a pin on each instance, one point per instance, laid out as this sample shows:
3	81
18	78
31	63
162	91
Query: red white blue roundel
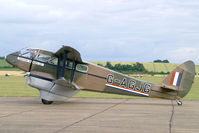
176	78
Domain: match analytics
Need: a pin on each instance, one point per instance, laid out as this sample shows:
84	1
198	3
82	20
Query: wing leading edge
72	54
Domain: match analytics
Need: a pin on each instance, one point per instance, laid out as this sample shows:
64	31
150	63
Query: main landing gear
46	102
179	102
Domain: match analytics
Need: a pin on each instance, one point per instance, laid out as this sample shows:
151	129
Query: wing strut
58	67
73	71
64	64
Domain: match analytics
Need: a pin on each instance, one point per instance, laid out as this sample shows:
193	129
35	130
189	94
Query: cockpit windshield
39	55
29	53
47	57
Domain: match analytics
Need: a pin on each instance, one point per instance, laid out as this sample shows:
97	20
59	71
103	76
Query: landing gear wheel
179	102
46	101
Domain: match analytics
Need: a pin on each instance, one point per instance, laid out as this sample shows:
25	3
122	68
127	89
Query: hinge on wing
168	87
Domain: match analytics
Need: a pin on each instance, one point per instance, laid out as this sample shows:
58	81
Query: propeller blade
26	83
27	74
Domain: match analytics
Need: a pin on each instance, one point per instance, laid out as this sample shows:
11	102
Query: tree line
131	69
160	61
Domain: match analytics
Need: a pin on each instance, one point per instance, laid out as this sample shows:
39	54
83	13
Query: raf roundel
176	78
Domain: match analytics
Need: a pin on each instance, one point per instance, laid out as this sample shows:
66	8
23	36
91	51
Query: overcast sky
104	30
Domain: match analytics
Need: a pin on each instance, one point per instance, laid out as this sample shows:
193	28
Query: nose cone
12	58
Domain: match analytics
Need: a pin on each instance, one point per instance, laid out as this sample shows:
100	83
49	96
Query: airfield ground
89	115
21	111
14	86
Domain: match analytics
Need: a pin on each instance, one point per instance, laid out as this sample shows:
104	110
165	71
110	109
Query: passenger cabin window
82	68
53	61
47	59
43	58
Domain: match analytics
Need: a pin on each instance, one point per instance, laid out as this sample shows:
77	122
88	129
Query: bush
131	69
136	68
160	61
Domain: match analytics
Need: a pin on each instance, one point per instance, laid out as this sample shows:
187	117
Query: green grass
154	67
192	95
9	69
4	66
13	86
194	92
149	66
88	94
3	63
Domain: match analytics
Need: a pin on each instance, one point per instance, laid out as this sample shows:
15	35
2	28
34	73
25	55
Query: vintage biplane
60	75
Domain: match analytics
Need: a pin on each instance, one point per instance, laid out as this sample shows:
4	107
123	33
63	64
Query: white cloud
14	11
183	54
121	30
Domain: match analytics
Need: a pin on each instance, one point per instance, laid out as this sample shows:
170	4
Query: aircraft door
65	68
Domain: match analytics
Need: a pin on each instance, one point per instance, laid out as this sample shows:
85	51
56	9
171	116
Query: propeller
27	74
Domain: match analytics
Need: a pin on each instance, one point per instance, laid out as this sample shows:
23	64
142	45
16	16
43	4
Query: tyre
46	101
179	103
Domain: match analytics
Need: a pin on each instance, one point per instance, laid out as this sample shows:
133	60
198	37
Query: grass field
154	67
13	86
4	66
3	63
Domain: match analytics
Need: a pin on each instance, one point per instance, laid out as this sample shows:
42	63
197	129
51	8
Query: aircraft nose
11	59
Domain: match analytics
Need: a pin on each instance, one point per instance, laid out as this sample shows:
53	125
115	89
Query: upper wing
72	54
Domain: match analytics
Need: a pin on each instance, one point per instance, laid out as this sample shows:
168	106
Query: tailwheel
179	102
46	101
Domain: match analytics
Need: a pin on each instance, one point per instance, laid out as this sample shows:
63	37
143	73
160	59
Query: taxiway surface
80	115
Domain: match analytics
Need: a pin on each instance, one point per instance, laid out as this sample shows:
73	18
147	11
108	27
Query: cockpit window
28	53
37	55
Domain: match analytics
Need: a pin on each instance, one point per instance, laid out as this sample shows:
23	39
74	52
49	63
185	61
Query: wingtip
189	66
